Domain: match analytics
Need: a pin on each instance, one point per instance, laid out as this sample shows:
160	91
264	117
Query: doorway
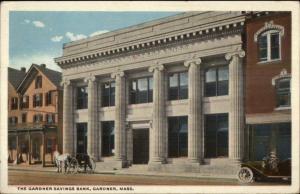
140	146
81	138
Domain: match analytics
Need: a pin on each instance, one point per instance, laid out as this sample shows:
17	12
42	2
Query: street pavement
50	177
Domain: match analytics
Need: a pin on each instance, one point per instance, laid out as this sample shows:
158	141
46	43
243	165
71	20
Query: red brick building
267	90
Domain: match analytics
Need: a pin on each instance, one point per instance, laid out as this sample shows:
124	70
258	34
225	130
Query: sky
38	37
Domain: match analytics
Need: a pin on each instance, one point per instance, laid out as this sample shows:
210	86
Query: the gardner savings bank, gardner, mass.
170	93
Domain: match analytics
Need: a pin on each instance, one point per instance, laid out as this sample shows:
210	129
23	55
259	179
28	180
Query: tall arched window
268	40
282	83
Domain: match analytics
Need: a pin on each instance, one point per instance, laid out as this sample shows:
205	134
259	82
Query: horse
61	161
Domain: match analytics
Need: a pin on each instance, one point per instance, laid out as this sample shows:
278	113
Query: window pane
133	91
216	135
222	88
210	89
275	53
82	96
183	93
107	138
262	46
112	94
223	73
173	86
173	80
223	76
142	90
210	75
150	93
105	94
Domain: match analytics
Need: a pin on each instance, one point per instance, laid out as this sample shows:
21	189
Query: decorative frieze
194	36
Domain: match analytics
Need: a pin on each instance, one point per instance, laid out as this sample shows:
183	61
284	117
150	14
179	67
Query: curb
229	178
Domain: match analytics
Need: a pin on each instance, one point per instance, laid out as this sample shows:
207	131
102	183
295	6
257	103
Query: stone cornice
199	35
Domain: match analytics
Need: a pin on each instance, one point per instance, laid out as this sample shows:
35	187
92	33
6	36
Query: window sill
282	108
107	108
216	98
269	62
140	105
181	101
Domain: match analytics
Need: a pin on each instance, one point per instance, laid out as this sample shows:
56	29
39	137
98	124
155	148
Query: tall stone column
92	117
195	111
236	113
120	111
68	139
158	139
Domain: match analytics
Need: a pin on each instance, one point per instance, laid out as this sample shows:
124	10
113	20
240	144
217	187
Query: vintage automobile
270	168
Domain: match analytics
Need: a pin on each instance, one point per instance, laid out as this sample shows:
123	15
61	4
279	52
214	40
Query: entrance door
81	138
140	146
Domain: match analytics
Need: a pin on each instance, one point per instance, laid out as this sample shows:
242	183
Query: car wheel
245	175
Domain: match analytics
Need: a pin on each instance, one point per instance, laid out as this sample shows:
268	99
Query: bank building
167	93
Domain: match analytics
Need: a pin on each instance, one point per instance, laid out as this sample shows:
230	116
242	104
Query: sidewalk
126	171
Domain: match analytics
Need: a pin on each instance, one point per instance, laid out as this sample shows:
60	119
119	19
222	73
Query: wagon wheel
73	166
92	165
245	175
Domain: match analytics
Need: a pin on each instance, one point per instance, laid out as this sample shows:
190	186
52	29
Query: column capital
195	61
65	82
90	78
239	53
158	66
118	73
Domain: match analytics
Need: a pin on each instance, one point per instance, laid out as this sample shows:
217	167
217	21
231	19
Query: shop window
269	46
38	82
216	135
141	90
178	86
178	134
283	92
108	94
108	138
82	97
265	138
216	81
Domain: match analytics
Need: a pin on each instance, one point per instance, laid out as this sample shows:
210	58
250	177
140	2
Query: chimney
23	69
43	66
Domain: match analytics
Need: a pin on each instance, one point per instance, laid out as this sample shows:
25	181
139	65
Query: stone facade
191	42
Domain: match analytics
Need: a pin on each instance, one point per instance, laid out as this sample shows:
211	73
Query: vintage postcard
149	97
